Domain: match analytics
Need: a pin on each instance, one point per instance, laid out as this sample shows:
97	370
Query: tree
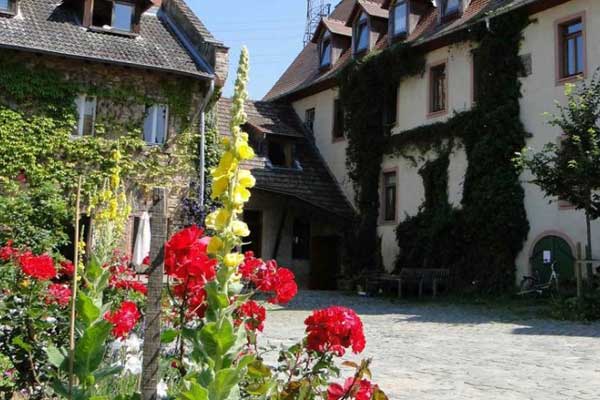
570	170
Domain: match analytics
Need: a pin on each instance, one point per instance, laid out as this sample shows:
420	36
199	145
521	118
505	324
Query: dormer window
325	51
399	19
361	34
118	16
451	8
8	7
122	18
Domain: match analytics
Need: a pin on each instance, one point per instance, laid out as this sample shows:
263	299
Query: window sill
436	114
117	32
570	79
7	13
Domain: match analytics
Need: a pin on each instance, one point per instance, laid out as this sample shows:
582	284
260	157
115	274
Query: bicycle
533	284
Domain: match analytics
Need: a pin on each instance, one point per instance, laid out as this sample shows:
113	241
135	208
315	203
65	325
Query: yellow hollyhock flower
240	228
240	195
244	151
214	245
218	219
227	165
246	179
232	260
220	186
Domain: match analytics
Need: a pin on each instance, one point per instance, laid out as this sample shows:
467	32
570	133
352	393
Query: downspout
202	166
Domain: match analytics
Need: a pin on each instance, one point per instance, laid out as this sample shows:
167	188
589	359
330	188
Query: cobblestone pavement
435	352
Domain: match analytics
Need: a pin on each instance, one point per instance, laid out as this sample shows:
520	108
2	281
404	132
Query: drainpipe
202	186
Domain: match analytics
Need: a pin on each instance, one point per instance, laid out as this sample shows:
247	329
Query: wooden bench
421	277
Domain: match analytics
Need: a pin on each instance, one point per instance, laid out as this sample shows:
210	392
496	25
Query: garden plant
71	330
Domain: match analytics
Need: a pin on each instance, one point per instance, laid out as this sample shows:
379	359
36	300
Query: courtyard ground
439	351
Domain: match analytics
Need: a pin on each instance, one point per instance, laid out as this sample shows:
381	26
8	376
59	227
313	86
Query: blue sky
271	29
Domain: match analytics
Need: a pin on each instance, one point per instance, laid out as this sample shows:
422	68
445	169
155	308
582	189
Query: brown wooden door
324	262
254	220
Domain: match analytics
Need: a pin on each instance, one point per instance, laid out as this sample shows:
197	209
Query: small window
8	6
280	153
301	239
102	13
451	8
477	76
389	196
86	115
338	120
309	119
362	34
400	18
326	51
438	82
155	124
122	17
572	48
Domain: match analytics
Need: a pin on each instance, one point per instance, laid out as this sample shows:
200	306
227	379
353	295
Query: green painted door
553	249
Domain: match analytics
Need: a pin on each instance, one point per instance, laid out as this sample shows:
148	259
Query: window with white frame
361	34
326	50
156	124
400	18
86	115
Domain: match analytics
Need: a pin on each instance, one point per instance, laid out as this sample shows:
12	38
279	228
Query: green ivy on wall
40	161
480	241
367	88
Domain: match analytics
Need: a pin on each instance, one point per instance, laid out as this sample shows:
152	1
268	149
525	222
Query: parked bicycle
534	284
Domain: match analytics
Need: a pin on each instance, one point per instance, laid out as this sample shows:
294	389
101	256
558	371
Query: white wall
539	91
334	152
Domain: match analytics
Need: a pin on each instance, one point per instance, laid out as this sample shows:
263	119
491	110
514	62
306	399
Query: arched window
399	20
325	50
361	34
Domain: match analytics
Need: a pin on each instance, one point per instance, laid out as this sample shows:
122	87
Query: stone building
145	49
557	47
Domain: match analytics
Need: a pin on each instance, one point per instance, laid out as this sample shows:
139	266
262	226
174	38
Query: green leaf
216	300
107	372
217	341
195	392
55	356
225	380
93	269
87	311
168	336
259	370
89	349
18	341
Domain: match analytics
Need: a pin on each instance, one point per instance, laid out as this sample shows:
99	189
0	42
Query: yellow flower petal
240	228
244	151
232	260
246	179
214	245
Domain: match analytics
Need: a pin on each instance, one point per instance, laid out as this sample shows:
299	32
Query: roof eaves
108	60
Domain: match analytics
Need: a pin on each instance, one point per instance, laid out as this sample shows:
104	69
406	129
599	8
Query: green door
553	249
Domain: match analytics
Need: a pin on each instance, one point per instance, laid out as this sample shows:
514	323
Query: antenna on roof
315	10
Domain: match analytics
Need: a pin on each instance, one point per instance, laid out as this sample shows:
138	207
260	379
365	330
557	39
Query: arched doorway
549	249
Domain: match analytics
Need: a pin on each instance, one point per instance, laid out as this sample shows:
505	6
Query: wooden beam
158	227
88	9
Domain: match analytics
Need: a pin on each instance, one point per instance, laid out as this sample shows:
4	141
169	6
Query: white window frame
80	107
154	109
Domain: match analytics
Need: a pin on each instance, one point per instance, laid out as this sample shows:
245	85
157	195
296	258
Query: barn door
551	249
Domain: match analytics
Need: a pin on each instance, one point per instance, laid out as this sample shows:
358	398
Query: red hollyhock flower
8	252
194	296
185	255
58	294
334	329
39	267
362	390
268	277
124	319
66	268
253	314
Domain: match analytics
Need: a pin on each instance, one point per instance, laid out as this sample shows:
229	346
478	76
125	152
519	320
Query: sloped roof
313	183
332	25
304	72
47	27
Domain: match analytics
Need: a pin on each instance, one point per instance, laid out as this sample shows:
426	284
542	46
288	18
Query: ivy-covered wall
480	240
40	161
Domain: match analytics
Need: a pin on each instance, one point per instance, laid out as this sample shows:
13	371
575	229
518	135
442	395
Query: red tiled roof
304	71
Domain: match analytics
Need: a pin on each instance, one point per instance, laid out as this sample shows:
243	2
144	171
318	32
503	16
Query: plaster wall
333	151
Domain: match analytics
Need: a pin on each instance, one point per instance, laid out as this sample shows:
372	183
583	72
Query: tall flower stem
74	288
